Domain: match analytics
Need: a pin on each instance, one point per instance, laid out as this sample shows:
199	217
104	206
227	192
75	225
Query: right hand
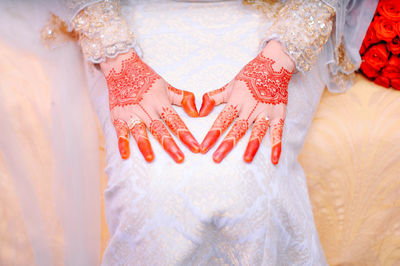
139	98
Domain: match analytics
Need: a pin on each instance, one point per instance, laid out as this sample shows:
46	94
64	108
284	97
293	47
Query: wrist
276	51
115	62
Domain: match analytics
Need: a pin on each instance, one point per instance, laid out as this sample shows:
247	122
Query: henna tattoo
276	132
121	128
225	118
159	131
174	90
139	131
238	130
162	135
130	84
173	121
252	111
235	134
265	84
218	91
222	122
259	130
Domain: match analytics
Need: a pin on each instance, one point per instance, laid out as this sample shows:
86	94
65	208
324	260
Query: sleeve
303	28
351	24
103	32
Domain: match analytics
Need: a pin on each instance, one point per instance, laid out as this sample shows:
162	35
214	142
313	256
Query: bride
231	199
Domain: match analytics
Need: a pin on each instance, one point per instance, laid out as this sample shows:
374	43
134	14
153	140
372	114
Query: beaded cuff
102	31
303	28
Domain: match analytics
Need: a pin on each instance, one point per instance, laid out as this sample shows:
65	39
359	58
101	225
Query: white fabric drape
62	222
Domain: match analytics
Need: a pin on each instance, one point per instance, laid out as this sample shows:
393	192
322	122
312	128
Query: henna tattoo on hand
178	127
276	132
130	84
173	121
258	132
238	130
265	84
225	118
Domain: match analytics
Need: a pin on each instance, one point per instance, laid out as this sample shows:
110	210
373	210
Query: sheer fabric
53	166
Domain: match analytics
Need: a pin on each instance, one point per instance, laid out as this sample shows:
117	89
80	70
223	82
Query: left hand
259	95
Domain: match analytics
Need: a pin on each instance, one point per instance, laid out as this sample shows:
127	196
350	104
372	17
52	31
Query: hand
138	98
258	94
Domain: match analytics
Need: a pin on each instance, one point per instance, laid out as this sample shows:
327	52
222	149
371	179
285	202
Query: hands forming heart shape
139	98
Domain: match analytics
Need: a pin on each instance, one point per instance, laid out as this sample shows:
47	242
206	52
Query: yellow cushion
351	159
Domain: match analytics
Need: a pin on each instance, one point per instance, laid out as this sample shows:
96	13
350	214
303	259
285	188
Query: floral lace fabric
199	212
103	31
303	29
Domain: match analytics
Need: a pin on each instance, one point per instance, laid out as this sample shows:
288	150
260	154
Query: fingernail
209	141
206	106
251	150
275	154
189	104
123	146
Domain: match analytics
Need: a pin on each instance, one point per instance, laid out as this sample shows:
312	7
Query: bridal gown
200	212
197	212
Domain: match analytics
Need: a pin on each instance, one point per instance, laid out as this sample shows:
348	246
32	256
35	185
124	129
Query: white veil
49	153
49	156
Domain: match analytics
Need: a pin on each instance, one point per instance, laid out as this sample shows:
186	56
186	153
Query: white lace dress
199	212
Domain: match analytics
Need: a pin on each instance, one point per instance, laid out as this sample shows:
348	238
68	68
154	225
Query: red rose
394	46
398	28
390	9
385	29
369	71
396	84
363	49
390	73
392	68
376	56
370	37
385	82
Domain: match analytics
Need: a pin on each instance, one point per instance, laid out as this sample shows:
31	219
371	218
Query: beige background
351	158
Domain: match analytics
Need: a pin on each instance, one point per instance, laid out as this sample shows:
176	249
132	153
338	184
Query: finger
224	119
212	98
123	137
276	139
160	132
178	127
258	132
182	98
139	132
234	135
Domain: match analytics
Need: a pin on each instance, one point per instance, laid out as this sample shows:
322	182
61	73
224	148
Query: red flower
396	84
376	56
390	73
390	9
394	46
362	49
398	28
385	82
392	68
385	29
370	37
369	71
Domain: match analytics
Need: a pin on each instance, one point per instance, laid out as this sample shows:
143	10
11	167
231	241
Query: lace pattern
303	29
102	31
